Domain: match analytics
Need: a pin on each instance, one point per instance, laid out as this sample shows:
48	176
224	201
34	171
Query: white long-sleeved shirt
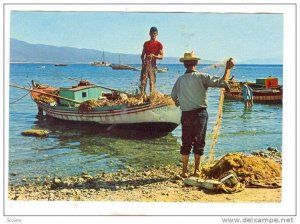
190	89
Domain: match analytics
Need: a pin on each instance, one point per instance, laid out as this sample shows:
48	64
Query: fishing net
253	171
235	86
90	104
159	98
123	99
45	99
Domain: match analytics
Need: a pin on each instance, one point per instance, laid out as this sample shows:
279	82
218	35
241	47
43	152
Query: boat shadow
111	131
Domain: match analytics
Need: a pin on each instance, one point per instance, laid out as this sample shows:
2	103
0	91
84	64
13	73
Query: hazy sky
212	36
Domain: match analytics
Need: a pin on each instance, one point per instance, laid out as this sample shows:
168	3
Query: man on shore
190	93
152	50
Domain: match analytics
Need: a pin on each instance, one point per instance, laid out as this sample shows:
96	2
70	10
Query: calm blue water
73	149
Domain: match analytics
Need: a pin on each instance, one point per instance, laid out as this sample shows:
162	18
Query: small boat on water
265	90
162	70
102	63
60	65
81	104
123	67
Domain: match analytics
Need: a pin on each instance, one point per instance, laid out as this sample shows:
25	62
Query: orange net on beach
251	170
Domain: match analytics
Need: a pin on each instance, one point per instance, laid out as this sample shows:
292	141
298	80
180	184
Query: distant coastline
23	52
52	63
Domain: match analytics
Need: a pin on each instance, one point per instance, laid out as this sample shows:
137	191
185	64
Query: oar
114	90
47	94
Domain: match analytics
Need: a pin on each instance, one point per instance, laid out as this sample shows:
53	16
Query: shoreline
153	185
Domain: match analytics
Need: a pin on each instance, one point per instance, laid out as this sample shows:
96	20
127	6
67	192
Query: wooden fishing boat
123	67
162	70
265	90
65	104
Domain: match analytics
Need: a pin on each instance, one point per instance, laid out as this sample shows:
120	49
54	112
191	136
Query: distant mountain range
23	52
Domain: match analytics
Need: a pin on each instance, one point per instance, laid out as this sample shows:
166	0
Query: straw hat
189	56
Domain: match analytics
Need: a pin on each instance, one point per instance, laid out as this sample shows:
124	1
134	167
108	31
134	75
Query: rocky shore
160	184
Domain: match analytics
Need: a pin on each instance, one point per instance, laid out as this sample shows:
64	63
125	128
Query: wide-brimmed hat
189	56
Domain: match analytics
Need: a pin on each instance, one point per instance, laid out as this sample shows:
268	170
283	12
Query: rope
216	65
19	98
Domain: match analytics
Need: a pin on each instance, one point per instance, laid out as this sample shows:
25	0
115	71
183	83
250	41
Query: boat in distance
79	104
162	70
60	64
100	64
265	90
123	67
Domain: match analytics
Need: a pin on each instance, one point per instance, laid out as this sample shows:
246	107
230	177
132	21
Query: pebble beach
160	184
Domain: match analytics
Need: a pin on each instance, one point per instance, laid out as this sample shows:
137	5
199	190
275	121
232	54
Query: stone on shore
158	184
36	133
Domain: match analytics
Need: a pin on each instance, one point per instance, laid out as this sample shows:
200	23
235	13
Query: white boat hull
162	116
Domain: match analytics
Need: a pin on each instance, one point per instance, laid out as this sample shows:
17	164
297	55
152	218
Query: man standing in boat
152	51
190	93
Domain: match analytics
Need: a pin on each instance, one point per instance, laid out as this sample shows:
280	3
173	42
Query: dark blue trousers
194	125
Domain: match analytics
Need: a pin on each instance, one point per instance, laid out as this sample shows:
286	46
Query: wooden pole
41	92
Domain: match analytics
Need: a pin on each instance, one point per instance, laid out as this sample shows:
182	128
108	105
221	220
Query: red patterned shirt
152	47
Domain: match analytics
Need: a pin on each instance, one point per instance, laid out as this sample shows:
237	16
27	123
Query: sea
73	149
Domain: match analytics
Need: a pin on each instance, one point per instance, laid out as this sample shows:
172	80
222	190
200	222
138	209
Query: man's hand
229	63
151	56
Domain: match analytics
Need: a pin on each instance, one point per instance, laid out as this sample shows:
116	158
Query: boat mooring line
19	98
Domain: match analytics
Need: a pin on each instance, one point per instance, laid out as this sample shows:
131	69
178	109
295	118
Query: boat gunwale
113	112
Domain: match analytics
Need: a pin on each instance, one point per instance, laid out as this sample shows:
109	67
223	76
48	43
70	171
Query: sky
213	36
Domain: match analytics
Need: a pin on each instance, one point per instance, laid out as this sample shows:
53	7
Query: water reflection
55	125
118	148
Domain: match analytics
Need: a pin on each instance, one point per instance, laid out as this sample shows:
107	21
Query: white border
286	207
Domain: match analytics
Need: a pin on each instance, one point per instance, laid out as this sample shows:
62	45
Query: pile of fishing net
159	98
124	99
45	99
235	86
252	171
